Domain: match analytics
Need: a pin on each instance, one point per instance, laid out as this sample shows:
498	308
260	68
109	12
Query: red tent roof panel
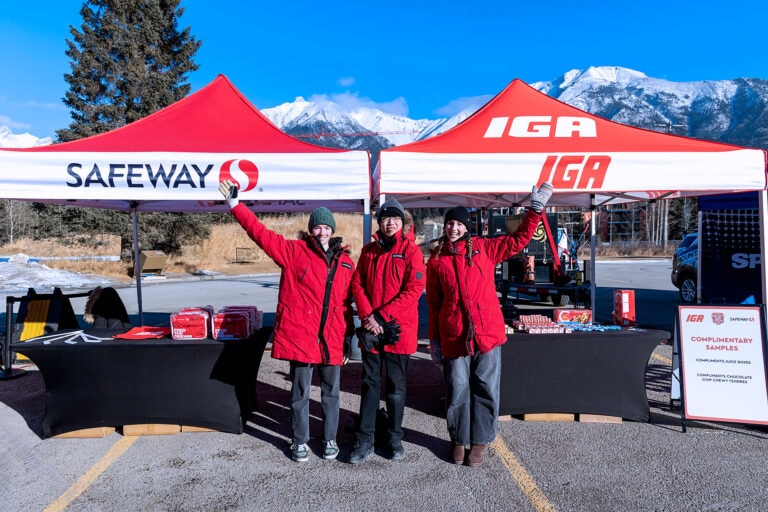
521	119
215	119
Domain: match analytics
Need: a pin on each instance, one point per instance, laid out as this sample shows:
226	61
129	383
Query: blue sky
422	59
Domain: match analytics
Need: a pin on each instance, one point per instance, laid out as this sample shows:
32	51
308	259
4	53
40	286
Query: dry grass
217	253
101	245
634	249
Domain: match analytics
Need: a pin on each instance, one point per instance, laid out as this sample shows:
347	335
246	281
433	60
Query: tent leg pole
136	272
763	210
592	265
9	371
366	221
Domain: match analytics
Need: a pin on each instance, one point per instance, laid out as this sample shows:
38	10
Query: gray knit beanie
321	215
390	208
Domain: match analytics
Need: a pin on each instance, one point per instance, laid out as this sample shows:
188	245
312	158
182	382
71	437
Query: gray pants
301	384
473	388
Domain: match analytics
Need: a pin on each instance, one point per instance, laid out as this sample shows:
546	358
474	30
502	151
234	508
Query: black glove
391	333
367	339
390	336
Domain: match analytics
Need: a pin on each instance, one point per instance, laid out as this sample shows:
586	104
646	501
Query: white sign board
723	363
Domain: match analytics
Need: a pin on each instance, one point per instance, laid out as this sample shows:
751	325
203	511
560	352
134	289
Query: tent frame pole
136	272
366	220
763	211
592	258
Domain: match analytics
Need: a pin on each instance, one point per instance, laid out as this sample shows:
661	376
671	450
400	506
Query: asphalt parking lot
566	466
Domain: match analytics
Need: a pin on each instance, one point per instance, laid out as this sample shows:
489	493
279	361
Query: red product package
255	317
624	307
581	316
190	324
231	325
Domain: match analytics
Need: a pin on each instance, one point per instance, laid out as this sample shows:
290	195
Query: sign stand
723	364
674	391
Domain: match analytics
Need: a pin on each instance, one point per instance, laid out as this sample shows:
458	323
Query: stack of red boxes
192	323
236	322
230	323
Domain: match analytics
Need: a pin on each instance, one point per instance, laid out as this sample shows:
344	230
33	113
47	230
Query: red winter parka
389	280
314	303
455	288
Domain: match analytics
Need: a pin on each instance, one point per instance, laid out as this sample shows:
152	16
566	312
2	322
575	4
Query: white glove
435	352
539	197
229	191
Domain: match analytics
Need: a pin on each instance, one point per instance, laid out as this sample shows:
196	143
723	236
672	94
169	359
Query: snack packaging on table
581	316
255	317
193	323
624	308
539	324
237	322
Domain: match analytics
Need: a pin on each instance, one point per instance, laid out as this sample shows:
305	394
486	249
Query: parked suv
685	267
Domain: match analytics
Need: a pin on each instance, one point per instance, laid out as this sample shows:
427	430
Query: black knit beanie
390	208
458	213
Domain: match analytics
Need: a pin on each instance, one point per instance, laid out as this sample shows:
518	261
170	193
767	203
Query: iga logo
243	173
541	126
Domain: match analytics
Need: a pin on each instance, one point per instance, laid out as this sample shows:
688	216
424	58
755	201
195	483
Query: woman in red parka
387	285
466	326
314	314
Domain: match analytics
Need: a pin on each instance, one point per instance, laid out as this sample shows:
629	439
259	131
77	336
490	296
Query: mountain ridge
733	111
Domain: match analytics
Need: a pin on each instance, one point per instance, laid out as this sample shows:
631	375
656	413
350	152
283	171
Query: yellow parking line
91	475
521	476
663	359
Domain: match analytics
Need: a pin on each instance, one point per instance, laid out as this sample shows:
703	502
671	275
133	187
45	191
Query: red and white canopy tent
523	137
174	159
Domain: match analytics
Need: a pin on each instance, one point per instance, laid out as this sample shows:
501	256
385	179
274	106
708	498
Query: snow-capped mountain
319	121
733	111
23	140
326	123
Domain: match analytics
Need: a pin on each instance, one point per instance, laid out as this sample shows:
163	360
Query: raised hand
229	191
540	196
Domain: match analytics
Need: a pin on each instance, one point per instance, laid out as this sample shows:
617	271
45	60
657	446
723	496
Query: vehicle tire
688	288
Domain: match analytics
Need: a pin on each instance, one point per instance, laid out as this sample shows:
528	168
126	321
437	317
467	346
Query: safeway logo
541	126
157	175
242	172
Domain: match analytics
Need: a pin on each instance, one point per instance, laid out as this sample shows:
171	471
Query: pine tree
128	61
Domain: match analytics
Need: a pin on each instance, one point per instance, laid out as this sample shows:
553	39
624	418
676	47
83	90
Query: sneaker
398	452
300	452
360	452
330	450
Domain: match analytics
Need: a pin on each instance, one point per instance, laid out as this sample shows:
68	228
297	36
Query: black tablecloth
583	372
115	382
